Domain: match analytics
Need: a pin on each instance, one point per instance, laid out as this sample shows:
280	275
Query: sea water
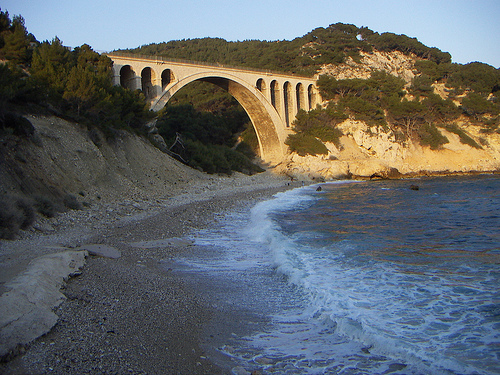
363	277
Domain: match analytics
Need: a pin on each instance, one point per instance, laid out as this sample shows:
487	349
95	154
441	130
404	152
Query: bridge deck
134	56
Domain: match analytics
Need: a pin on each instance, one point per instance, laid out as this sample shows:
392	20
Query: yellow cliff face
370	151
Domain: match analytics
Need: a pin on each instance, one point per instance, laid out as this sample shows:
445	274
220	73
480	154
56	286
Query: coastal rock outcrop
26	310
373	152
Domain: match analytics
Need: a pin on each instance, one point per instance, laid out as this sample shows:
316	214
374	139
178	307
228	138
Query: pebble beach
130	314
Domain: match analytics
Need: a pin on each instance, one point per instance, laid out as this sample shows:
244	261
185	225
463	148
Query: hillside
391	114
385	92
304	55
62	166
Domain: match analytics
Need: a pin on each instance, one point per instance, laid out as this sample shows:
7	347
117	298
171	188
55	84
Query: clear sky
468	29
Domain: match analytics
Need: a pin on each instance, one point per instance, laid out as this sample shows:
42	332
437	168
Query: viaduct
271	100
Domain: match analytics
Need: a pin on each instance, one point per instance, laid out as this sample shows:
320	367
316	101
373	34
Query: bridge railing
203	63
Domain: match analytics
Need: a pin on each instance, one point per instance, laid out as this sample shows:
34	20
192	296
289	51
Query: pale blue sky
468	29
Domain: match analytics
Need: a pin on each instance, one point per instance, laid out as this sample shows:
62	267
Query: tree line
76	84
302	55
49	77
410	111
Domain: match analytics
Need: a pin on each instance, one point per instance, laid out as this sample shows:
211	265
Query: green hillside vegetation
202	123
411	111
49	78
302	55
382	100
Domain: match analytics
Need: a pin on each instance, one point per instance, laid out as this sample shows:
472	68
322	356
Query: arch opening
264	118
167	76
310	97
261	85
275	95
127	77
147	85
299	90
287	96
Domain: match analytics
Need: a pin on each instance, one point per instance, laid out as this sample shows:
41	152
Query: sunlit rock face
369	152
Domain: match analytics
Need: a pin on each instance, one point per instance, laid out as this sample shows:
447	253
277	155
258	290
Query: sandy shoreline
130	315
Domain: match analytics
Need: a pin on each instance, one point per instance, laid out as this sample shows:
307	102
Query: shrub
491	126
430	136
250	143
304	144
464	138
15	213
476	104
218	159
321	123
70	201
16	124
26	207
366	111
10	220
422	84
45	206
479	77
241	163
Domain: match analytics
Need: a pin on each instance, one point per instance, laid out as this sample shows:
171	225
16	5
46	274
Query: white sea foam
419	319
403	312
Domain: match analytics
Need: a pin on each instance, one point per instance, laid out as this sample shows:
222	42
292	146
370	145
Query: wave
420	322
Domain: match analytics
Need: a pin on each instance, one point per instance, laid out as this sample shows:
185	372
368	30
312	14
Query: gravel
129	314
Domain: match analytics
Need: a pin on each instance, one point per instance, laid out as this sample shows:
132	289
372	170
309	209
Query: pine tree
16	42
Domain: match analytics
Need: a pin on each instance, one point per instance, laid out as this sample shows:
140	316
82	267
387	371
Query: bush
430	136
15	213
475	105
204	139
26	207
15	124
218	159
321	123
479	77
422	84
464	138
249	145
305	144
10	220
491	126
45	206
366	111
70	201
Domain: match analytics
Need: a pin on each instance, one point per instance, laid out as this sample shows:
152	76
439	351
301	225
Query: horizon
469	31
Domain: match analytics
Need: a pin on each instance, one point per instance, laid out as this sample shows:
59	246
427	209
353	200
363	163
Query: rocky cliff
370	152
373	151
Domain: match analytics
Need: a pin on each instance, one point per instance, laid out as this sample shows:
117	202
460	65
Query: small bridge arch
270	99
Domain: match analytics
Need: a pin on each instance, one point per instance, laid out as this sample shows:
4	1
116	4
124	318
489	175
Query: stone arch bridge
270	99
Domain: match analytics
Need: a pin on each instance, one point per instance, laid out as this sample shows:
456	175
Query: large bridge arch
271	99
264	117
